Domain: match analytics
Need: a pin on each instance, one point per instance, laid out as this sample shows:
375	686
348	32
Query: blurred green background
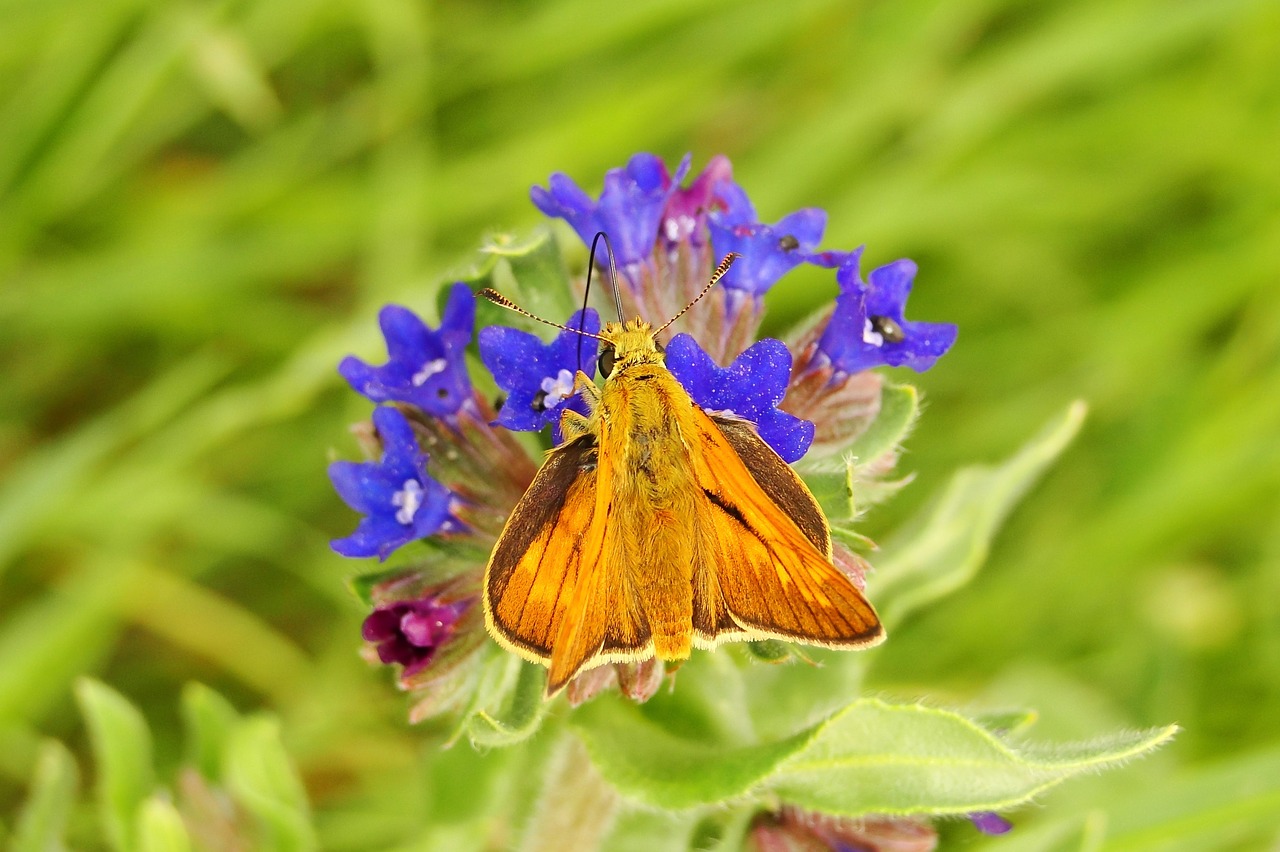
203	204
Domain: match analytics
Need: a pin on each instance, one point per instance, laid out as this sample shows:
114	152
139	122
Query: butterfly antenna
502	301
613	282
715	277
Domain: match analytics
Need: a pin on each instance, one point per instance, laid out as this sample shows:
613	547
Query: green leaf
871	757
942	549
541	276
121	745
651	763
1006	723
262	778
160	828
209	719
519	718
43	818
531	272
875	757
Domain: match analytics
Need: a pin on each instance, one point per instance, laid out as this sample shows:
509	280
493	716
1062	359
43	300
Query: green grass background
203	204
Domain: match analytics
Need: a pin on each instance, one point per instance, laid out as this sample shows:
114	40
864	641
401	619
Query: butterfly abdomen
665	578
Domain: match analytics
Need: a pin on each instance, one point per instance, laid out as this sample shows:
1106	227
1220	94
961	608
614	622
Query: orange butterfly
656	527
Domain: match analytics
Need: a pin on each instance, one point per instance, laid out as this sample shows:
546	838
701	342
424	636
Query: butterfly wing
548	593
763	565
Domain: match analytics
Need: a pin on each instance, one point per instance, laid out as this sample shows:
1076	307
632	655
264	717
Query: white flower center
870	335
428	370
409	499
720	412
557	388
678	226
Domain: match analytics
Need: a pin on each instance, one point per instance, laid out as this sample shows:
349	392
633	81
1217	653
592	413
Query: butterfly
656	527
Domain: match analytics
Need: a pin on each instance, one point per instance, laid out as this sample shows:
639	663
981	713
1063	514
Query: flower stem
577	806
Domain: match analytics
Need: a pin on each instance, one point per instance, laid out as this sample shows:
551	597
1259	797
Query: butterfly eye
659	348
888	329
606	361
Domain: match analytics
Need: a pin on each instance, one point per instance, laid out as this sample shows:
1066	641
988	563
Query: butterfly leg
573	425
590	393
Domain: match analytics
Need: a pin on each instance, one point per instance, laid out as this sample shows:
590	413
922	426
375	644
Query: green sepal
942	548
769	650
516	718
433	561
121	745
832	486
835	480
899	408
505	703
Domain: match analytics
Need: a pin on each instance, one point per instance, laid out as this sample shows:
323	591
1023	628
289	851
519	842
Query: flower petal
425	367
400	500
525	367
750	388
868	328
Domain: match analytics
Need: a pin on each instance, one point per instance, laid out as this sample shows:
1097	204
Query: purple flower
868	328
537	376
989	822
426	367
768	251
629	210
410	632
685	218
400	501
750	388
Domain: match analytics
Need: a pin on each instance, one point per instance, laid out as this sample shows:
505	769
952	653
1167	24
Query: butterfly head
625	344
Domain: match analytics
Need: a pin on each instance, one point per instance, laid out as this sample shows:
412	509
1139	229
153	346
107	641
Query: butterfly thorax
644	412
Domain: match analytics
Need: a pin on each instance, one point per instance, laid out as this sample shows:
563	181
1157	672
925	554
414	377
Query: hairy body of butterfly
656	527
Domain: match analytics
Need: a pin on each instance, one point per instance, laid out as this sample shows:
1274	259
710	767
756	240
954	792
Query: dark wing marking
779	482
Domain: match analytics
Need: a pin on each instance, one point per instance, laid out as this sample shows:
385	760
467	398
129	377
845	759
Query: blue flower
537	376
868	328
767	251
410	632
400	501
750	388
629	210
426	368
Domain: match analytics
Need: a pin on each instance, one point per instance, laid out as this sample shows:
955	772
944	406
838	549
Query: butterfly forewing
537	561
772	578
780	483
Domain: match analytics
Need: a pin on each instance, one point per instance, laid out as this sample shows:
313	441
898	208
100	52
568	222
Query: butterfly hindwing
765	549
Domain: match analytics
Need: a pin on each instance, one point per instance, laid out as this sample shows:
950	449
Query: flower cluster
445	467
